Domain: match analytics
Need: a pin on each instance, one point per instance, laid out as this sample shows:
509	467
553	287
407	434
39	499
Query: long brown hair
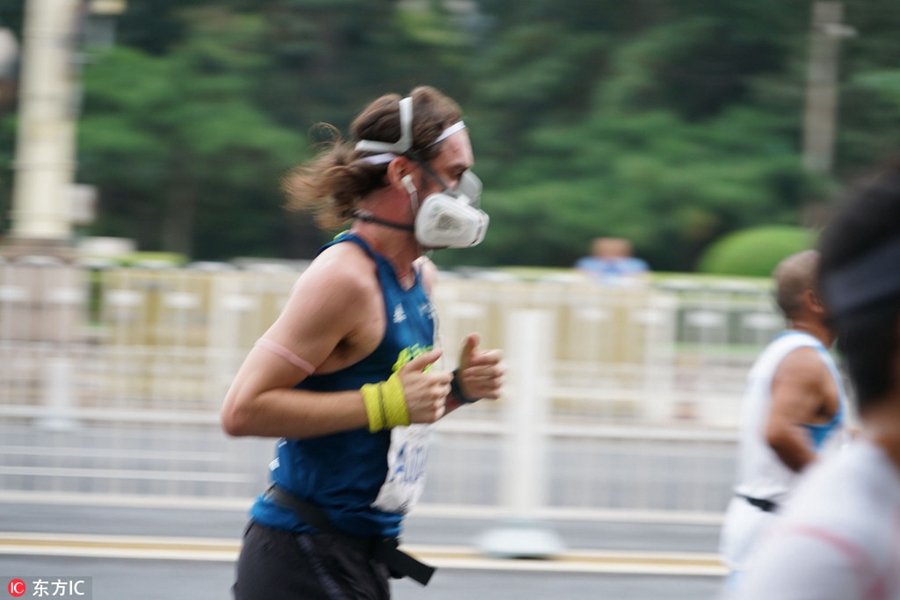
333	183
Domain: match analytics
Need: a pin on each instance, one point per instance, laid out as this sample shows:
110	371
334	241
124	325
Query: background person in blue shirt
611	262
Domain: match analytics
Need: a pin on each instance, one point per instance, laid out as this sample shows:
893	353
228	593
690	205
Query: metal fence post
59	401
521	535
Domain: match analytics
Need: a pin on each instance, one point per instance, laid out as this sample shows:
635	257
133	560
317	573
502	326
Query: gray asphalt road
478	585
227	524
137	579
158	580
201	463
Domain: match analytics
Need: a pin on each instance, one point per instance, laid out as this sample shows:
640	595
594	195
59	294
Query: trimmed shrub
756	251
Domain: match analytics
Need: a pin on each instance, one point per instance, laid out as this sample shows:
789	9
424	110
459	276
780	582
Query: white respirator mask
445	219
452	218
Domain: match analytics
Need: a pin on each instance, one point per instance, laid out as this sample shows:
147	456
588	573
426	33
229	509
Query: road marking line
448	557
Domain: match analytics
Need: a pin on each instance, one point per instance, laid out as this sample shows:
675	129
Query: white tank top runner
761	474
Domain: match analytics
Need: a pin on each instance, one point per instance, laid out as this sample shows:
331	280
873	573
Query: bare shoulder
803	367
334	292
334	315
340	269
805	359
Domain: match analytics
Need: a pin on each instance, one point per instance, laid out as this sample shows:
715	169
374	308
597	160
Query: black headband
874	277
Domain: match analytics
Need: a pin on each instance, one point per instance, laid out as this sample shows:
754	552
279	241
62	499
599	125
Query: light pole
48	108
820	119
45	144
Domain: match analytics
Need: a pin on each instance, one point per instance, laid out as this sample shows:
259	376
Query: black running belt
384	550
761	503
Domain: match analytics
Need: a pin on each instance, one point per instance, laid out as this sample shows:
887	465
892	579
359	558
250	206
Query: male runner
839	538
793	405
347	373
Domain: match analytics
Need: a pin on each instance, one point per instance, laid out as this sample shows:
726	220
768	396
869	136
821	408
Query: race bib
405	480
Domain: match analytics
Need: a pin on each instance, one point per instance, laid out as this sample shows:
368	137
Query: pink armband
286	354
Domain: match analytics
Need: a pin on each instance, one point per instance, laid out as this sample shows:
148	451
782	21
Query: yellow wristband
394	402
385	404
371	393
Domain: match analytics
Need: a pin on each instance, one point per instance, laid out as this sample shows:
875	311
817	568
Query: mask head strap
865	281
458	126
405	141
368	217
379	159
389	151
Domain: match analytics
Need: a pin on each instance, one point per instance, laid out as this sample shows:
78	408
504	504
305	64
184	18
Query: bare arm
802	392
332	320
318	315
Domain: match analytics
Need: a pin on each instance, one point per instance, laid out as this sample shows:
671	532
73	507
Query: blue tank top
819	433
344	472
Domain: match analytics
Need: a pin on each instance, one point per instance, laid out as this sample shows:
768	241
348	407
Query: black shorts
280	565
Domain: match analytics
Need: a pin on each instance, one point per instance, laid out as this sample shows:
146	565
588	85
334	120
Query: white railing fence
618	398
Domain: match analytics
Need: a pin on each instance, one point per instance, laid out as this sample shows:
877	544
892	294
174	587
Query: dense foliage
670	123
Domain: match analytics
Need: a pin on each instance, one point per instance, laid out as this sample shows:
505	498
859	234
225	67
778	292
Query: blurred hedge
755	251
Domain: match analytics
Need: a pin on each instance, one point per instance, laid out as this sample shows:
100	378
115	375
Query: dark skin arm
803	391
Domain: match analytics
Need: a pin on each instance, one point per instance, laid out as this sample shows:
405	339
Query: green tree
681	121
331	58
869	114
668	122
679	140
184	158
